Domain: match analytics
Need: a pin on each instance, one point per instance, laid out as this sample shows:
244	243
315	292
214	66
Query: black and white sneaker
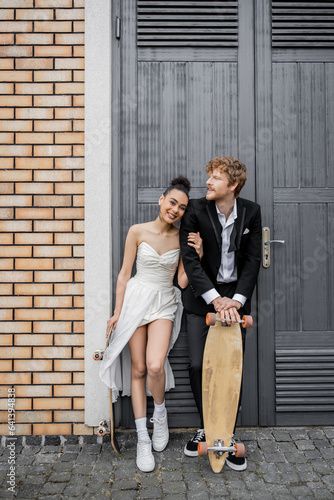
236	463
190	448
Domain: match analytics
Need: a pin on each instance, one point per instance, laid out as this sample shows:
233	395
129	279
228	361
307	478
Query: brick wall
41	159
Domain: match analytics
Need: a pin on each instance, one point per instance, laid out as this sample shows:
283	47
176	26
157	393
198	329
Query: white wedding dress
149	295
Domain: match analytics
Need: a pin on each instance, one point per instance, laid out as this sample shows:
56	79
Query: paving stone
53	488
125	484
301	491
297	434
152	492
281	435
173	487
327	453
304	445
329	432
329	481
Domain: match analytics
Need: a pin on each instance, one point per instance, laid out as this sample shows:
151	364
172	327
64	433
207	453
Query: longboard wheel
247	321
202	449
210	319
240	450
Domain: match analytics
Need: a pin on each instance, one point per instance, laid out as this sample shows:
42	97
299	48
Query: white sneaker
160	433
145	459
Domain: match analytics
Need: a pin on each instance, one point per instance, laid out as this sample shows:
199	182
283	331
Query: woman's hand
195	241
111	324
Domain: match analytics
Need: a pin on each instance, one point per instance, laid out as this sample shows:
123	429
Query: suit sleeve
251	258
198	279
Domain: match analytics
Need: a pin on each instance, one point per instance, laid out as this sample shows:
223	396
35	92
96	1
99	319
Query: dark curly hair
180	183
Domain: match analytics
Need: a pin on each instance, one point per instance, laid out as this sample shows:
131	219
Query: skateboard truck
238	449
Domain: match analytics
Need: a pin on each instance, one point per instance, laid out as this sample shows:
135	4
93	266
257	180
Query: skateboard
221	383
106	427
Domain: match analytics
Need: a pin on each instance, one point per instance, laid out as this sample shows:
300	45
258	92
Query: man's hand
228	309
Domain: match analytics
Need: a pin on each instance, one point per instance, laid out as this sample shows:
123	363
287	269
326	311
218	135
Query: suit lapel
238	227
213	216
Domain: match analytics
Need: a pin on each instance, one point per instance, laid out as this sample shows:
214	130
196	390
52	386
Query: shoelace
159	429
145	448
198	436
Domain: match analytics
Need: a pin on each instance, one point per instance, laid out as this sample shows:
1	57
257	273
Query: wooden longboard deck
221	382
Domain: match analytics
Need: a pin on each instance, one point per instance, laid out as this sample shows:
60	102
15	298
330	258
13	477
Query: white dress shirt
227	272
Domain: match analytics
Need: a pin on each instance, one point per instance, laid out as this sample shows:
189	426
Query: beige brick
74	14
69	187
6	365
69	339
15	200
32	263
78	76
34	187
17	150
78	200
34	391
79	302
34	163
53	3
16	76
69	163
53	51
16	101
6	314
6	239
73	365
15	352
69	39
79	51
69	138
70	88
51	100
53	277
69	314
68	416
52	403
51	352
53	26
6	114
33	365
52	327
54	226
6	213
69	263
34	88
70	113
32	314
34	63
78	176
78	404
16	125
79	125
78	150
69	63
52	251
79	3
34	14
69	213
52	429
52	125
34	38
15	26
15	251
78	352
33	289
53	76
20	429
53	301
82	430
15	378
34	213
6	289
69	289
6	88
52	378
33	238
6	301
7	188
33	339
69	390
52	201
15	276
51	150
6	339
34	416
17	3
6	162
51	175
78	27
34	113
15	51
6	14
78	378
78	100
15	327
79	276
6	38
69	239
6	63
34	138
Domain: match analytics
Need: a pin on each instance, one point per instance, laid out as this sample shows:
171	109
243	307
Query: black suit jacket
201	215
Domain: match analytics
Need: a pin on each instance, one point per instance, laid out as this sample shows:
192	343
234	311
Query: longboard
105	426
221	383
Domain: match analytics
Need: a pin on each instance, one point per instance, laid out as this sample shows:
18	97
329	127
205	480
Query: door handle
266	242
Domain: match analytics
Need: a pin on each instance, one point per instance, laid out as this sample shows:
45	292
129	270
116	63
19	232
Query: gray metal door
183	92
294	162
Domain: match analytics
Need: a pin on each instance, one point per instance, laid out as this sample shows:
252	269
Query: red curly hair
232	167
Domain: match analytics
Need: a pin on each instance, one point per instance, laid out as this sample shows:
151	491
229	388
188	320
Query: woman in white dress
146	319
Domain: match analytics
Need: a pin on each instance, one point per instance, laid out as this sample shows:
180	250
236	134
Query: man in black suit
224	278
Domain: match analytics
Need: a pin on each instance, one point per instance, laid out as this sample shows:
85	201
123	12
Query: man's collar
235	210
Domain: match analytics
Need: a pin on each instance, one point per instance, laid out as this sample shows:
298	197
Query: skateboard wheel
240	450
247	321
210	319
202	449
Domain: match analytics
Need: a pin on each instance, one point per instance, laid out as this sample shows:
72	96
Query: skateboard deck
221	383
105	426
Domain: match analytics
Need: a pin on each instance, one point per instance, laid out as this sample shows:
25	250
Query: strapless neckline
154	250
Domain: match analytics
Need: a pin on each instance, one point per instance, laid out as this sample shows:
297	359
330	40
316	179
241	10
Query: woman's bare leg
137	346
158	338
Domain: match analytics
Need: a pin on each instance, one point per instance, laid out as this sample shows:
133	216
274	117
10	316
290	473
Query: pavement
283	464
